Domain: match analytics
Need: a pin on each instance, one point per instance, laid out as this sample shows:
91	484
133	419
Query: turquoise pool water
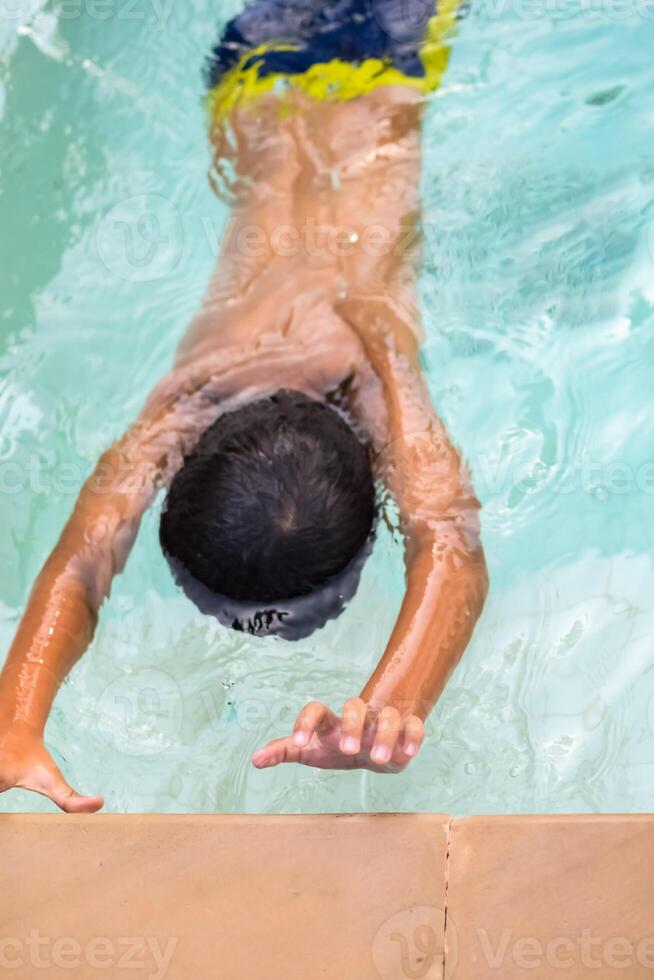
538	289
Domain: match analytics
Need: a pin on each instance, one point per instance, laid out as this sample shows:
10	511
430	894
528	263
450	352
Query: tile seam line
446	884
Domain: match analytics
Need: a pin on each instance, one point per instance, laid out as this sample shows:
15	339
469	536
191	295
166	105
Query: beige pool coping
334	897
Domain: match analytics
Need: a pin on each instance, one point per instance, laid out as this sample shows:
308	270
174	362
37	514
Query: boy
305	342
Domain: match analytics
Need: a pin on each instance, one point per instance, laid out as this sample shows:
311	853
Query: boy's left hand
384	742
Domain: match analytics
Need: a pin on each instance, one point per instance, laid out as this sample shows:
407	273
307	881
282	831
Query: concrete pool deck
342	897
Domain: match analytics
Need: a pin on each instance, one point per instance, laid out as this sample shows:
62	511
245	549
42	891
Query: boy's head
276	498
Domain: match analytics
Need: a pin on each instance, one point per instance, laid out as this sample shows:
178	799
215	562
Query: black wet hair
276	498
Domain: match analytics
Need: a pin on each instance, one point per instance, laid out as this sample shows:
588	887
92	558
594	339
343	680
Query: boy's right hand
25	763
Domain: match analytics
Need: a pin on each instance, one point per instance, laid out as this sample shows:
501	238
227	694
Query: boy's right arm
62	610
60	619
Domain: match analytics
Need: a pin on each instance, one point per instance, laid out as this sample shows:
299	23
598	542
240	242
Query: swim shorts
337	50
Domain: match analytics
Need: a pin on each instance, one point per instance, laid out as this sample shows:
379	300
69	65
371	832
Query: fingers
54	786
414	735
312	718
71	801
278	751
389	723
385	744
398	739
352	725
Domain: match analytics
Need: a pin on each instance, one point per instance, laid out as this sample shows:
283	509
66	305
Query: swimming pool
538	302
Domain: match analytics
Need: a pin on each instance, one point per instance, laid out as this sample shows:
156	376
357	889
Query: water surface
538	298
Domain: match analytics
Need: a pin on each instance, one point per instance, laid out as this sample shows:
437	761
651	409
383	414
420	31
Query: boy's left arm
446	578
